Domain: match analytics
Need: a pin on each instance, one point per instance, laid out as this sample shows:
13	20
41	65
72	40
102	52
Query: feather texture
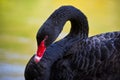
76	56
94	58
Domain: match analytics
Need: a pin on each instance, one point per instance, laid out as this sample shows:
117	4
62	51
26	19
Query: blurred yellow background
20	20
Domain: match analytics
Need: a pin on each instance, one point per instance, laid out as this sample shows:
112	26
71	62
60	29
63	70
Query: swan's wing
104	44
105	52
106	36
83	60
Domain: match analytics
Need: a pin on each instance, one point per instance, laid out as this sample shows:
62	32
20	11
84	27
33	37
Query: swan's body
95	58
77	56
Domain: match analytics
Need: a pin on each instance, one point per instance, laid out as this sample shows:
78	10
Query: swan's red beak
40	51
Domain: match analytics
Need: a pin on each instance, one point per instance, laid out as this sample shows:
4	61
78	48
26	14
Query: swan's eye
40	51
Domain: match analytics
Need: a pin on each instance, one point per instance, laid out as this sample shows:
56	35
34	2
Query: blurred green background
20	20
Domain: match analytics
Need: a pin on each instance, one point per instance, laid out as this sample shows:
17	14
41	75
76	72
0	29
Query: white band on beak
37	58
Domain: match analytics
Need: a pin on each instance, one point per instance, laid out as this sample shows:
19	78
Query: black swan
76	56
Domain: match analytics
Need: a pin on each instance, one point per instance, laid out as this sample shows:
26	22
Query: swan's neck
54	24
79	23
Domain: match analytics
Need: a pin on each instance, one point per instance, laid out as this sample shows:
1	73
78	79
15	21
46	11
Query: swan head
40	51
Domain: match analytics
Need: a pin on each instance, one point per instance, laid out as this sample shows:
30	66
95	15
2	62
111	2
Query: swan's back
104	56
96	58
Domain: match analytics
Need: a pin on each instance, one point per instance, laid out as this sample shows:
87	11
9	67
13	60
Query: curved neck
54	24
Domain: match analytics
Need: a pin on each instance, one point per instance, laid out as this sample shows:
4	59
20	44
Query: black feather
77	56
